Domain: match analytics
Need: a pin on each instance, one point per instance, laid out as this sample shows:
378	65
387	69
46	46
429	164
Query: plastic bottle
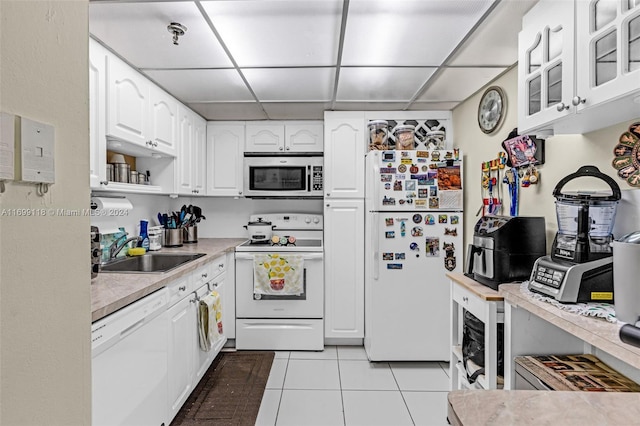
144	236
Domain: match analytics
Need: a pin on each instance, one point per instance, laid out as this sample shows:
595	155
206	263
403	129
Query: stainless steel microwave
283	176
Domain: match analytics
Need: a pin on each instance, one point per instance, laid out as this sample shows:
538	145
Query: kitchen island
113	291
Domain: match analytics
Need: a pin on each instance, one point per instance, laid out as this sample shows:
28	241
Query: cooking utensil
258	230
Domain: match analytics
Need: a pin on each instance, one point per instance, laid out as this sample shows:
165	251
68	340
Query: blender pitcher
585	219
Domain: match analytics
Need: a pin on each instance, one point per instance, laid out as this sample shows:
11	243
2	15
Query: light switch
7	145
37	149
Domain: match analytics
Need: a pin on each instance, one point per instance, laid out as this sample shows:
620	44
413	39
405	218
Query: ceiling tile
229	111
291	84
278	32
505	19
138	33
202	85
296	110
381	84
369	106
433	106
407	32
457	84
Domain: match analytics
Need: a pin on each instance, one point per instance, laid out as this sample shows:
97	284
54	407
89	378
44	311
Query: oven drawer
280	334
308	305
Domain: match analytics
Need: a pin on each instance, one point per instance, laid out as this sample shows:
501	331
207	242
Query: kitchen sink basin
150	262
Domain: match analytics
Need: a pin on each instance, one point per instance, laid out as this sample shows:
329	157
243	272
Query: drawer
202	275
469	301
218	266
179	289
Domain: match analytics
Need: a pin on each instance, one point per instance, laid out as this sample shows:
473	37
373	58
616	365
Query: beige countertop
595	331
523	407
480	290
113	291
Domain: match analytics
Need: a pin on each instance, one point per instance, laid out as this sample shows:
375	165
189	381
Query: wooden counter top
538	408
480	290
595	331
113	291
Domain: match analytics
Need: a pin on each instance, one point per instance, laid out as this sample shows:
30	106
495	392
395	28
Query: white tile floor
339	386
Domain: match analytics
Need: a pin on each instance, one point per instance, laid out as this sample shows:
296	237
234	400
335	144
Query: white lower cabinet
187	363
343	269
181	348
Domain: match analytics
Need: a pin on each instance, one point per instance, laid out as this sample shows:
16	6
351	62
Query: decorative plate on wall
627	155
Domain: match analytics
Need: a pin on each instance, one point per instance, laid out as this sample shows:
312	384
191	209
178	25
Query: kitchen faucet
114	248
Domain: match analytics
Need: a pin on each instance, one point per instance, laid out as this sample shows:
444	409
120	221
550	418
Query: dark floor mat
230	393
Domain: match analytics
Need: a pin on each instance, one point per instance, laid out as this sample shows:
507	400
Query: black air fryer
505	248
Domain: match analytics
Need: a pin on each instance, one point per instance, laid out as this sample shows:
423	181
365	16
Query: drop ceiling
294	59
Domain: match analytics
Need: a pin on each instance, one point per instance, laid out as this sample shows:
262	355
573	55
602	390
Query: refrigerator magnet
432	246
421	203
389	156
416	231
394	265
454	219
410	185
423	193
402	168
386	178
389	221
435	156
397	185
451	231
387	256
417	218
433	191
388	201
429	219
442	218
405	161
400	256
413	169
391	170
387	185
390	234
434	203
449	258
403	229
422	154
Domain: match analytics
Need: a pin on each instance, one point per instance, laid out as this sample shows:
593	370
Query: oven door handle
305	256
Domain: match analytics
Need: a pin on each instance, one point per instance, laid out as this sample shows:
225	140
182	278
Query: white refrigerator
413	238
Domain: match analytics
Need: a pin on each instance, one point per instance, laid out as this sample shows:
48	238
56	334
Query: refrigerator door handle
376	246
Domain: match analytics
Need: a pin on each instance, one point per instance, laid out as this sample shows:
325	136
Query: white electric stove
286	321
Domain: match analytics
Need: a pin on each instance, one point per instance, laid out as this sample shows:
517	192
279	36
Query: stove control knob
316	220
307	220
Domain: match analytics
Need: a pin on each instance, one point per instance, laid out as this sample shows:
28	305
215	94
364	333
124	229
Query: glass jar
405	139
378	135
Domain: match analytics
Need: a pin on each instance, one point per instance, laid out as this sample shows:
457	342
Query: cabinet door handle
104	182
561	107
280	148
465	299
288	148
205	275
182	288
221	265
577	100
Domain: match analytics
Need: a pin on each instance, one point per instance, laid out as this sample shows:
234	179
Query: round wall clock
491	110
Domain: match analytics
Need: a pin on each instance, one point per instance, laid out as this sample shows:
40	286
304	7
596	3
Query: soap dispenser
144	236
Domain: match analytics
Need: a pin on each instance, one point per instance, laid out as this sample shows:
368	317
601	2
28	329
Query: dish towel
209	320
277	274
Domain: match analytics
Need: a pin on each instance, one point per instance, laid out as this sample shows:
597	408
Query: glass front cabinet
579	65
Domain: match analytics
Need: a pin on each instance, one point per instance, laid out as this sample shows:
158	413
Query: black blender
580	268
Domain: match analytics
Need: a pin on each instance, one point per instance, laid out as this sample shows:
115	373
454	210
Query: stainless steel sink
150	262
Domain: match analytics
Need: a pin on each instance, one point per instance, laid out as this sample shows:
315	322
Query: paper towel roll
111	206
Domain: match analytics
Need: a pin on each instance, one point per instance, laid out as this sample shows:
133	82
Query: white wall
564	155
45	314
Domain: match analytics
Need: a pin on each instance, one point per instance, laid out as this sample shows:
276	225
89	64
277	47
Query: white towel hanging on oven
277	274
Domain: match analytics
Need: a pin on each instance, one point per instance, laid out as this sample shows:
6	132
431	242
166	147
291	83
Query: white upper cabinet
607	50
164	118
139	113
545	64
304	136
578	65
225	145
97	114
344	152
278	136
191	153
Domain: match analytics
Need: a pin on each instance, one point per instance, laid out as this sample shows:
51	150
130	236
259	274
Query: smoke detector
177	30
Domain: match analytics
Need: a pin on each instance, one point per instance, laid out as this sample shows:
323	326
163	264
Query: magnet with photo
434	203
397	185
432	246
388	201
390	234
394	265
454	219
433	191
417	218
442	218
388	221
387	256
449	256
423	192
387	185
400	256
451	231
389	156
410	185
421	179
429	219
386	178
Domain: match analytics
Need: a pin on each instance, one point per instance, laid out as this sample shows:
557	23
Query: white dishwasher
129	364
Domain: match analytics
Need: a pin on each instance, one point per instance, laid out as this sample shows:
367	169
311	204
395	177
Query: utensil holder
173	237
190	235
